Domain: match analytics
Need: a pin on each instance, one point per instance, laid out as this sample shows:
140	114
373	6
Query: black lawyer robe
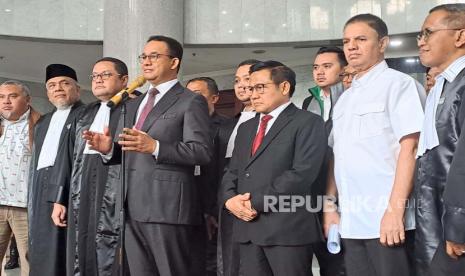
47	243
94	204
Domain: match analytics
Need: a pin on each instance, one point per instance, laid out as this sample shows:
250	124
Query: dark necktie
147	107
261	133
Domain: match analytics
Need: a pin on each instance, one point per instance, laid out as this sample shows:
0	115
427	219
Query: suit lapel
162	105
283	119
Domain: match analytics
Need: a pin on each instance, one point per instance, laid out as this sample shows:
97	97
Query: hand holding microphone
123	94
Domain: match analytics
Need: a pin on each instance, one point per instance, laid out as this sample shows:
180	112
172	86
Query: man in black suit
170	136
277	157
207	177
228	251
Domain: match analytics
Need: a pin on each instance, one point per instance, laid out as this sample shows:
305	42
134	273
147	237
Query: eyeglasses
152	57
103	76
347	75
259	88
426	33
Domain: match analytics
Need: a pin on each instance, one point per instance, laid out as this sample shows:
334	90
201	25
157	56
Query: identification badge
197	170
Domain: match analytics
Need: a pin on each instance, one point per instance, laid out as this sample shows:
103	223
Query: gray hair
22	86
455	14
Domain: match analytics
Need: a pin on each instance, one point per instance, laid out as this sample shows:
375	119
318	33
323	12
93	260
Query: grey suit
163	203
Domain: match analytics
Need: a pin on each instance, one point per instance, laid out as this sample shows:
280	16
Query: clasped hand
241	206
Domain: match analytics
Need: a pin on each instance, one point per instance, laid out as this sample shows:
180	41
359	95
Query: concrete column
128	24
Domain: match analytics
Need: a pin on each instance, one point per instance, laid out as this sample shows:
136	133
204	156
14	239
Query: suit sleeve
309	152
454	194
195	148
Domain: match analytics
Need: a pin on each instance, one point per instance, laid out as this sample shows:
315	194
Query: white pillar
129	23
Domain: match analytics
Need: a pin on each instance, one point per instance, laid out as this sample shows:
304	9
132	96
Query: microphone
123	94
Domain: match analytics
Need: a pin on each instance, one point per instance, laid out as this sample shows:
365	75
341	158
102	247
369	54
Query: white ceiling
26	59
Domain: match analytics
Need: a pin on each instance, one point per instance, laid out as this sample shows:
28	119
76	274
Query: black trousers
227	250
275	260
443	265
368	257
330	264
165	249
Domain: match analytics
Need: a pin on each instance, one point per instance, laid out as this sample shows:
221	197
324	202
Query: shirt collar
165	87
370	75
453	69
22	118
275	113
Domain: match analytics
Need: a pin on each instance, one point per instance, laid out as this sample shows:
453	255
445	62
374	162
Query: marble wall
213	21
261	21
60	19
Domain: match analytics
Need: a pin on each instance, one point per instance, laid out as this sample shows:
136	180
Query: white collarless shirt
49	150
369	120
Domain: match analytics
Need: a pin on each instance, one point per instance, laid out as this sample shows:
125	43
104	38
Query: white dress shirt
49	150
326	105
274	114
100	122
369	120
245	116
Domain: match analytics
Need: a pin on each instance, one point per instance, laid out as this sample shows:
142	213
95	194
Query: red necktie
261	133
147	107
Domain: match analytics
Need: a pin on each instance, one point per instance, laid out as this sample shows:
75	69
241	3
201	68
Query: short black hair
455	14
278	71
120	66
333	49
371	20
174	47
211	84
248	62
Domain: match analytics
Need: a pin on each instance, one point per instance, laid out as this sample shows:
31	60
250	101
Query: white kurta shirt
370	118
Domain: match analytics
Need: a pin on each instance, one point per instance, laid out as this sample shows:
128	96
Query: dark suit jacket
163	190
451	122
211	174
286	163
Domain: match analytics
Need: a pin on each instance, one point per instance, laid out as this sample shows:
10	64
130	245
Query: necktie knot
261	133
153	92
266	118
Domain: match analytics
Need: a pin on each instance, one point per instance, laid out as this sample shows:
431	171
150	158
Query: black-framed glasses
259	87
152	57
103	76
426	33
346	75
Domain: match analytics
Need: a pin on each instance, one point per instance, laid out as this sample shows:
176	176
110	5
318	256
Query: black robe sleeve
454	194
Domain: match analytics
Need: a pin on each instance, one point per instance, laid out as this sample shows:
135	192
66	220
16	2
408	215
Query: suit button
247	175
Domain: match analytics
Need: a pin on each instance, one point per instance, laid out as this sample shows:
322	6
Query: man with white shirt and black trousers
167	133
374	149
52	160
